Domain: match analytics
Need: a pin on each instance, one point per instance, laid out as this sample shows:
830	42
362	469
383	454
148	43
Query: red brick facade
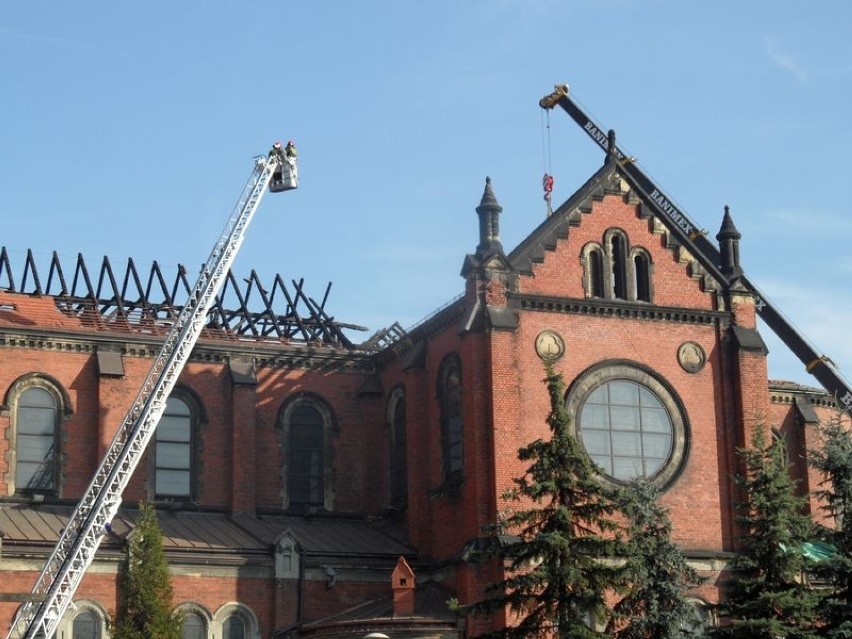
249	551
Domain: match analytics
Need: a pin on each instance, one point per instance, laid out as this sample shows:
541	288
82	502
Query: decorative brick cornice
264	352
622	310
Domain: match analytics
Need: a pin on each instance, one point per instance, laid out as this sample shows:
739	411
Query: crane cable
547	180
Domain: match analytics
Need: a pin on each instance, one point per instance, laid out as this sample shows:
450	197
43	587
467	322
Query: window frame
397	420
234	609
65	627
604	372
62	412
195	609
328	425
196	418
615	270
451	417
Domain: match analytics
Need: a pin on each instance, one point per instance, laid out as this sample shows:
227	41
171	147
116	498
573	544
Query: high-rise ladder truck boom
90	521
676	220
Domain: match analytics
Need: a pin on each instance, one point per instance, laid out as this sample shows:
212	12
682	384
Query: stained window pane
626	429
173	451
656	420
451	419
596	416
657	446
35	448
623	393
627	444
35	440
172	483
176	406
599	396
173	455
624	417
596	442
627	468
86	626
173	428
193	627
604	461
306	457
399	454
234	628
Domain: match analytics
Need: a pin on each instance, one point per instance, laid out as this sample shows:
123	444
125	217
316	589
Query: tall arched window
36	441
618	255
194	626
399	454
642	277
82	620
305	426
173	453
596	278
86	626
234	628
450	396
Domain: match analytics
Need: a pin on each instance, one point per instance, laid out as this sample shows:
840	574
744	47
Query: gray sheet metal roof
319	534
40	525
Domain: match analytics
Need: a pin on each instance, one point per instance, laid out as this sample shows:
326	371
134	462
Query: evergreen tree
557	551
655	606
145	592
767	597
834	460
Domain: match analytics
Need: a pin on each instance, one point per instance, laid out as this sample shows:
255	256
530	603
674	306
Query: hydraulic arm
79	540
691	235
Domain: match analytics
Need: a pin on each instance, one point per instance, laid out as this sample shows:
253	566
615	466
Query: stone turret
729	246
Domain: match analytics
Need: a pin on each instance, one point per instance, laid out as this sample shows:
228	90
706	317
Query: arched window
235	621
173	455
596	278
306	422
194	626
642	277
614	270
197	621
234	628
36	411
86	626
618	256
449	393
399	455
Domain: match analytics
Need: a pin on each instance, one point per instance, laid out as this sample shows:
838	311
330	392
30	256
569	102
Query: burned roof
130	300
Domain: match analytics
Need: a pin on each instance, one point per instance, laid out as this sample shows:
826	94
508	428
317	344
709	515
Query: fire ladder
90	521
676	220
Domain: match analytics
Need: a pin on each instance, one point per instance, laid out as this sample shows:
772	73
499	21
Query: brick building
311	487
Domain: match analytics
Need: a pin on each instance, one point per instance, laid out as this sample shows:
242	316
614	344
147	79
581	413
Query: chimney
402	580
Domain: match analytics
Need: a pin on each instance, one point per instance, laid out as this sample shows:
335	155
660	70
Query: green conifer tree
561	550
768	596
145	592
656	605
834	460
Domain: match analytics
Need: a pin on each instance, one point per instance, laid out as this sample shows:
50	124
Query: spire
489	222
729	246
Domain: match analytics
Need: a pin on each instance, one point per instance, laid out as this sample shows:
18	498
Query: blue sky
127	130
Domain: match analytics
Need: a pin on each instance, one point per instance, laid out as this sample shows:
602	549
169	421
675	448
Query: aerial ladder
677	222
91	520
